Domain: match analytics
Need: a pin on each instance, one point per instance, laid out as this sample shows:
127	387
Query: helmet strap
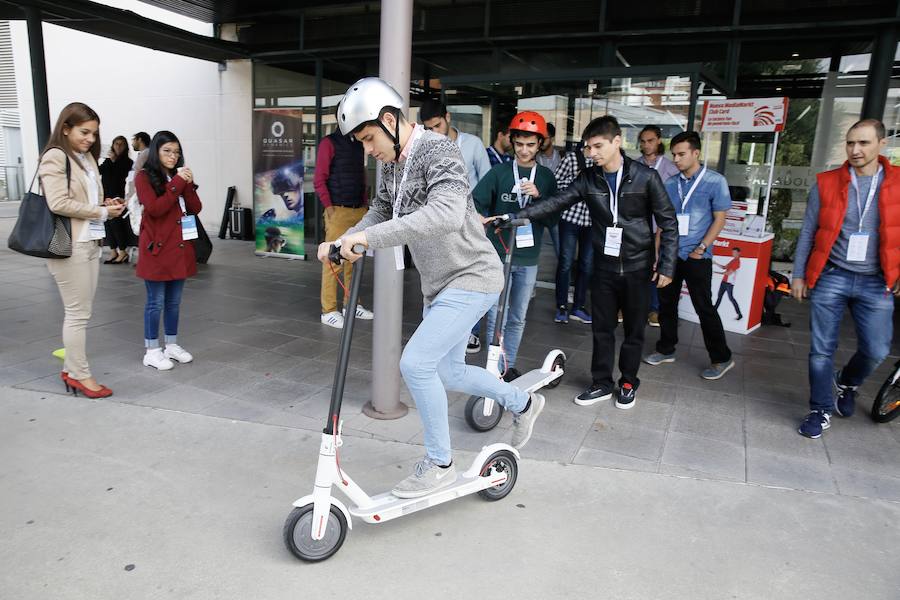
395	137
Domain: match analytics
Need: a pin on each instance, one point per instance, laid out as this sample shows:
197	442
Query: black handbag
38	230
202	245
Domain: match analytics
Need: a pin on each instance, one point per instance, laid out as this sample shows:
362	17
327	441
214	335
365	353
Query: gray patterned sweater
438	221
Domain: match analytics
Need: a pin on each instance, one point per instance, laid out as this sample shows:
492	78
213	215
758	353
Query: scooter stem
340	373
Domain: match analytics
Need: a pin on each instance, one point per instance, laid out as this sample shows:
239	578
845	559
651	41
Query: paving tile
600	458
710	424
644	413
854	482
185	398
713	458
630	440
230	381
784	470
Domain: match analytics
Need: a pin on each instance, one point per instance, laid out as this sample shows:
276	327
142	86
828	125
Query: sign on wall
744	114
278	181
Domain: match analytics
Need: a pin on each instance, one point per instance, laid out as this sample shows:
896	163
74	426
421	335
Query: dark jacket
641	199
113	174
340	178
164	255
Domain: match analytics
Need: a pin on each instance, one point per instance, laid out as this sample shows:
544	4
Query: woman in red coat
166	190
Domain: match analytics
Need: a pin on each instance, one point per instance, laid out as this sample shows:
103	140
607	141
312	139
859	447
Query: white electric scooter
317	526
483	414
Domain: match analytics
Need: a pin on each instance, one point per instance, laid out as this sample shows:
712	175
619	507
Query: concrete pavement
196	505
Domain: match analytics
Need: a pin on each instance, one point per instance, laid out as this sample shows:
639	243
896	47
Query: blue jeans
554	236
521	284
434	361
571	238
162	297
871	307
654	297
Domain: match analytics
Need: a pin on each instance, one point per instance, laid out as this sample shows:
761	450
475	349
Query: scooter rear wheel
298	534
502	461
476	418
558	363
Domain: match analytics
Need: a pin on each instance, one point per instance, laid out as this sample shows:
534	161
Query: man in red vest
848	255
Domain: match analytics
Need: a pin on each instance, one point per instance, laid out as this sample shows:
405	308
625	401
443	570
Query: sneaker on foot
177	353
361	313
620	317
592	395
474	345
523	423
653	319
427	477
562	315
625	400
658	358
845	397
511	374
155	358
579	314
814	424
717	370
333	319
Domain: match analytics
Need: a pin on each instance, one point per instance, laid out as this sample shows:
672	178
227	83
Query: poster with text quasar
278	181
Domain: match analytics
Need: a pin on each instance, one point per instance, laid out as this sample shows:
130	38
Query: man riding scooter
424	201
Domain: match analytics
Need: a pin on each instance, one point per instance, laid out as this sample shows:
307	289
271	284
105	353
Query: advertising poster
744	114
740	270
278	182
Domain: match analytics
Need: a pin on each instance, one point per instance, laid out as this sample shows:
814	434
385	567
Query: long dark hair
113	146
157	173
72	116
661	149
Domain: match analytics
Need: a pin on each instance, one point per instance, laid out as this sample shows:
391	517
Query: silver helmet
363	103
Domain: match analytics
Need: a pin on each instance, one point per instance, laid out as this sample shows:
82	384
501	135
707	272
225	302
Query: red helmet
529	122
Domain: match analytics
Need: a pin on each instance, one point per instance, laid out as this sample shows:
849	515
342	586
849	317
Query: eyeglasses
171	152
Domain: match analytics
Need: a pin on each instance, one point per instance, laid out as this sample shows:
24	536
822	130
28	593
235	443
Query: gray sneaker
658	358
523	423
427	477
717	370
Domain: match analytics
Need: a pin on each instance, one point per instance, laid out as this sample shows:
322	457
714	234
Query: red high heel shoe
103	392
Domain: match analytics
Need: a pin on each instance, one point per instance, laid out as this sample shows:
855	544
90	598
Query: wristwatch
701	246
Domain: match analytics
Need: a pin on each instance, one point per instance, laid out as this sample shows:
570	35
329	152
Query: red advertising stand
742	253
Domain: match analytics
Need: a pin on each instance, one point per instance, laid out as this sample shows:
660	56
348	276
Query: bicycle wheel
887	402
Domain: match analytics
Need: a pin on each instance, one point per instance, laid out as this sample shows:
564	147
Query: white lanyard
495	153
523	200
872	189
398	193
614	197
686	199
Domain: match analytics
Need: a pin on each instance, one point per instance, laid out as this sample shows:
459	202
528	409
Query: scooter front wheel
503	461
476	418
298	534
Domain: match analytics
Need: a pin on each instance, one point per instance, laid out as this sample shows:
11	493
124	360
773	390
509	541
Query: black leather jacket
642	196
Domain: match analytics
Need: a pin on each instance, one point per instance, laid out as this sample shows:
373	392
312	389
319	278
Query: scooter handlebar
505	223
334	252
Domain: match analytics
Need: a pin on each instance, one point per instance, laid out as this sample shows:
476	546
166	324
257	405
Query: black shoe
511	373
592	395
474	345
626	396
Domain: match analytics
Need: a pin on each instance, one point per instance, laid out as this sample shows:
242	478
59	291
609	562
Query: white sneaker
333	319
362	313
177	353
155	358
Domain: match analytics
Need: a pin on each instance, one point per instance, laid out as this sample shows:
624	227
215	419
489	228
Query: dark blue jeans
871	307
163	297
573	238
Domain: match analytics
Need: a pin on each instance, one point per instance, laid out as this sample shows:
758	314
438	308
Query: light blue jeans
871	308
521	284
434	361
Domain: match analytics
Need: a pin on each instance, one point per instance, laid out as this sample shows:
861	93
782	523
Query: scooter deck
535	379
386	506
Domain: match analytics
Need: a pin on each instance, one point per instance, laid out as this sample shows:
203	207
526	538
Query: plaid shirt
566	173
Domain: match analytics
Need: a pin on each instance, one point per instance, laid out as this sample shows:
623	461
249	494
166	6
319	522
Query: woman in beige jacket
70	179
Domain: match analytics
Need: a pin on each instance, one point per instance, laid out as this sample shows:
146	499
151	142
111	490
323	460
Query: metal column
394	67
38	74
879	79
